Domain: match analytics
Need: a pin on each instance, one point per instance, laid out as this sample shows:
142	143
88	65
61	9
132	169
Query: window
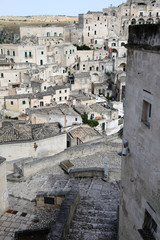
88	34
65	91
65	98
30	54
25	54
11	102
92	116
55	34
41	62
8	52
70	51
54	99
95	32
41	104
150	14
86	21
141	14
14	53
122	44
42	53
97	18
66	52
149	228
146	113
23	102
60	91
89	28
48	34
76	119
113	44
2	75
95	41
83	67
45	87
60	98
157	14
1	51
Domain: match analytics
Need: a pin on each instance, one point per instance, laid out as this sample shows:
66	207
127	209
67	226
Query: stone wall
140	192
3	187
30	166
26	149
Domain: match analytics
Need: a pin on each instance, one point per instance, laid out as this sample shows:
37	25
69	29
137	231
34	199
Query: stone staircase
96	215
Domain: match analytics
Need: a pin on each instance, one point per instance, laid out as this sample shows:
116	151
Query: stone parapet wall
66	212
31	166
3	187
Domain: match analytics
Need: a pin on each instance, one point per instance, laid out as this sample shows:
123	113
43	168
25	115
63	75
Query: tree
91	123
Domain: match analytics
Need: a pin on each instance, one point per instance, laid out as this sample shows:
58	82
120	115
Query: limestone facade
139	207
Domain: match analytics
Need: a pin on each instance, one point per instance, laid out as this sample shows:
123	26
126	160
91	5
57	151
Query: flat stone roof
59	109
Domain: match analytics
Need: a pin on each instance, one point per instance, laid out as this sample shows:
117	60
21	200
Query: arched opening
97	69
141	21
122	66
150	21
114	52
133	22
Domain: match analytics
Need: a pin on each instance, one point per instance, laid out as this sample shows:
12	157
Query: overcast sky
52	7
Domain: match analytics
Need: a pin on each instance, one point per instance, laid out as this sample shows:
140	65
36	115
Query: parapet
145	37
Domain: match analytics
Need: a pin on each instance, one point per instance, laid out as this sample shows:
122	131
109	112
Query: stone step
93	219
102	227
90	235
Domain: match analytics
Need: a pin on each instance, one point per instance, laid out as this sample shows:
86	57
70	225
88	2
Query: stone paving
95	216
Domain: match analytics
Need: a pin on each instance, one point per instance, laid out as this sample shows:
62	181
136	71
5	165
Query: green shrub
91	123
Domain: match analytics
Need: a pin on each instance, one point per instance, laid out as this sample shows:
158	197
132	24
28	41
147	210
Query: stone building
21	53
140	188
22	140
61	113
